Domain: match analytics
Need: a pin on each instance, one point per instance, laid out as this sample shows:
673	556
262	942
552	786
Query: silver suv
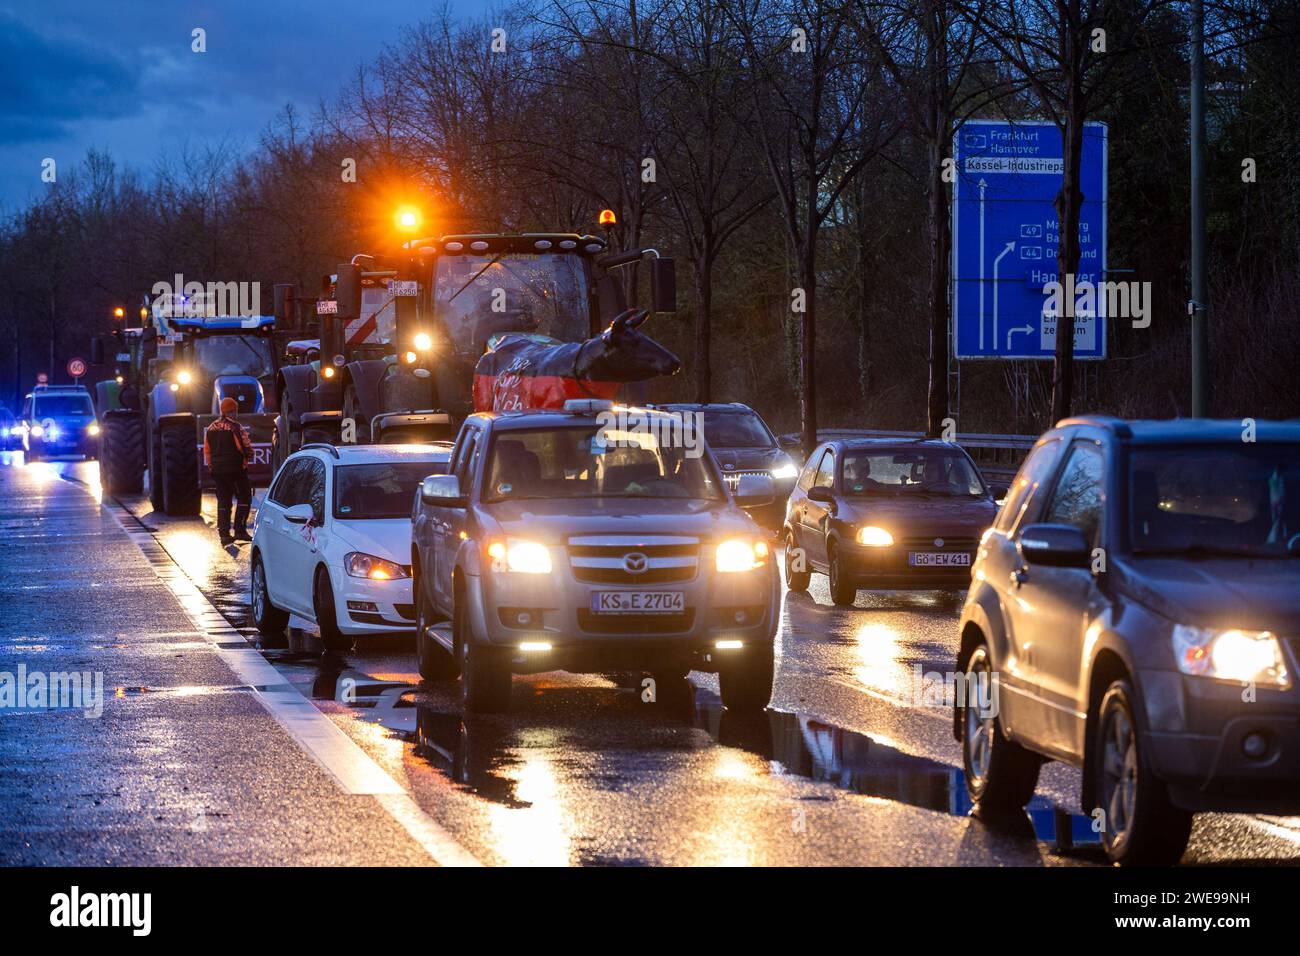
589	540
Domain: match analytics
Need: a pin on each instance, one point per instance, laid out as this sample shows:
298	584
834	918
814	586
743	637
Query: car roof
1180	430
707	406
377	454
557	418
891	444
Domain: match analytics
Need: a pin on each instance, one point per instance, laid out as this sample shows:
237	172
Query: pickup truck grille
632	560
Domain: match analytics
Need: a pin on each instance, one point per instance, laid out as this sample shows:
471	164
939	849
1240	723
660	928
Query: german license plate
638	602
938	559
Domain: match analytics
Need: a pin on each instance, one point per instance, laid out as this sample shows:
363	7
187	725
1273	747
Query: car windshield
380	490
477	296
583	462
54	406
736	429
920	471
1220	500
233	355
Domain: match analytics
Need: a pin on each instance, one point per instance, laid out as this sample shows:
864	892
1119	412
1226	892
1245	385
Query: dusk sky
120	75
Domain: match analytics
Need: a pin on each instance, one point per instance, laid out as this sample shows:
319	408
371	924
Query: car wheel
1141	826
795	580
843	591
1000	774
435	662
327	615
485	677
746	679
270	619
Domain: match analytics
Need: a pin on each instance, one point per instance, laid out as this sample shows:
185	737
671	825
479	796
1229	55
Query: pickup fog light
521	557
1244	656
359	565
534	645
874	537
729	645
786	470
741	554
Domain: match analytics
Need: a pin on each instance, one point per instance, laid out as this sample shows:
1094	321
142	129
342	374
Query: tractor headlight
1248	657
184	377
423	342
360	565
741	554
519	556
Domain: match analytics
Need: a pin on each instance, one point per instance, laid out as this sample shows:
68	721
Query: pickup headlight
784	470
741	554
360	565
37	431
519	556
874	537
1248	657
92	429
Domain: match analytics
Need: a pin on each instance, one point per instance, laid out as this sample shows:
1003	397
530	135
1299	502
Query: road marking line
352	768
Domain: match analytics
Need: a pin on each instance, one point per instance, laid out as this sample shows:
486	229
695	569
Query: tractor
401	335
171	378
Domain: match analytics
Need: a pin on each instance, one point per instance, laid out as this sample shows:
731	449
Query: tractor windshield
233	355
477	296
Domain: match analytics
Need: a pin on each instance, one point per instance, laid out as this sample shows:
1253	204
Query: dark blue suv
59	420
1135	612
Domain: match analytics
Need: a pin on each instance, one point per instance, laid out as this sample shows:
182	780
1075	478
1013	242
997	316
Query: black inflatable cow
522	370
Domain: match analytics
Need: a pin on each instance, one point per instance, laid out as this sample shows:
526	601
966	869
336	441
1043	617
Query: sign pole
1197	306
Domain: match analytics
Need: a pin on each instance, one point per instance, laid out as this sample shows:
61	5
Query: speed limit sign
76	368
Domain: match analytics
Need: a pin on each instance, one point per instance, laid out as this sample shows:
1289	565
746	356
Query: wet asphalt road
850	765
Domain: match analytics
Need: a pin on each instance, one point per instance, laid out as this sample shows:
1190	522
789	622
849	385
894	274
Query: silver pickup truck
591	540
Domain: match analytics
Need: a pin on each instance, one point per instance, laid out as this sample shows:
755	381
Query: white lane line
351	767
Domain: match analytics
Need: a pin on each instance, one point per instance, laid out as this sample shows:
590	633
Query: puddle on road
478	753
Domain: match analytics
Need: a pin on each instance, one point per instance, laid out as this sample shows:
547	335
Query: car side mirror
822	494
999	491
442	490
754	491
298	514
1055	545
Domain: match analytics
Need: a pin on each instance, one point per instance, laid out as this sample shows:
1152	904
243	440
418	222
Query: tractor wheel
154	444
122	454
352	410
180	472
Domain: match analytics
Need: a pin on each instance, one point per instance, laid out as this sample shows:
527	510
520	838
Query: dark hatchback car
886	513
1137	607
743	445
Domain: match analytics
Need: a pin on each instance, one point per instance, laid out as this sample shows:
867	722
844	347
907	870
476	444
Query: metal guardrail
998	456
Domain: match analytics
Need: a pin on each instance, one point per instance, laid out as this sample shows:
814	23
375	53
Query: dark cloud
47	83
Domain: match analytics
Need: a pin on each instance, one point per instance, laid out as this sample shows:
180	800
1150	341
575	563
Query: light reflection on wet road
846	766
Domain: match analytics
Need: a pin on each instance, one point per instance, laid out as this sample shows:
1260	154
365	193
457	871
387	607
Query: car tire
843	592
122	454
327	615
180	472
746	680
1000	774
270	619
1141	826
434	661
485	677
795	580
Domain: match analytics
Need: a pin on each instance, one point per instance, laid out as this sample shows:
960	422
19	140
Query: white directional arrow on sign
983	185
1011	332
1009	247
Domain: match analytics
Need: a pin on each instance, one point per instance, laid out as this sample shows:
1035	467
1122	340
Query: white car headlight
519	556
784	470
1249	657
741	554
874	537
360	565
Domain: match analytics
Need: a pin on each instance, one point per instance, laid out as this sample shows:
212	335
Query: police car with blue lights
58	420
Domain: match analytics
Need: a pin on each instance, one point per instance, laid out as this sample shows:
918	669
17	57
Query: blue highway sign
1005	235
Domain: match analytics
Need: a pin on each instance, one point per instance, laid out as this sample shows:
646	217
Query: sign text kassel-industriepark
1005	236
